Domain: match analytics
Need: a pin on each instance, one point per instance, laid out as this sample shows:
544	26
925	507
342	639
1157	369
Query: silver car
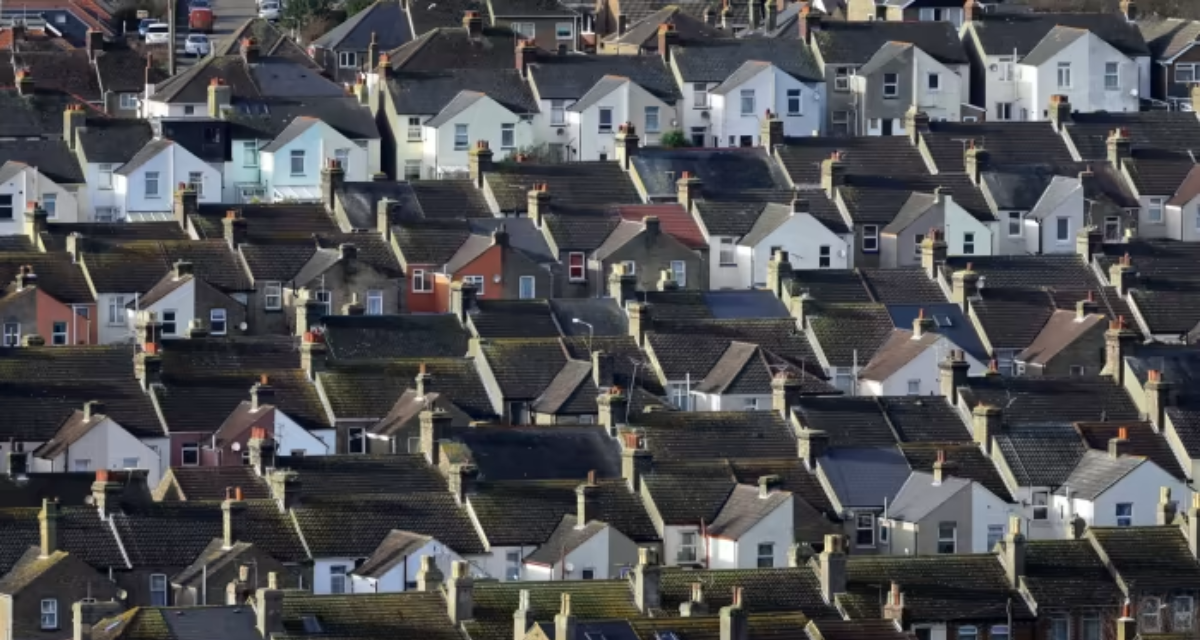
197	44
269	10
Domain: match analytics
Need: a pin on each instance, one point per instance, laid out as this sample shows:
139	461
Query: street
228	16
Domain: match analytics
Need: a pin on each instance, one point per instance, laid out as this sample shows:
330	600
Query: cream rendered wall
628	103
483	120
987	509
173	165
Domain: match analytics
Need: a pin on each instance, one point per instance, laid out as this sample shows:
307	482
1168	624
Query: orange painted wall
441	290
79	330
489	264
418	301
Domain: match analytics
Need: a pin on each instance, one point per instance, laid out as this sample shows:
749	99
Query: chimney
893	608
647	577
602	370
435	427
636	461
462	300
1087	182
1129	8
25	82
964	286
384	218
33	340
768	484
639	321
285	488
526	53
1193	526
666	279
1195	97
1119	147
460	593
236	229
1119	341
710	16
461	481
383	69
523	617
74	117
479	162
970	10
564	622
770	131
372	55
1158	397
975	162
538	204
1164	513
986	423
934	252
261	394
1060	112
93	409
424	381
48	523
650	224
585	501
779	271
785	393
262	451
833	172
952	372
940	468
1014	551
25	277
429	576
916	122
333	176
1087	306
831	564
695	605
1122	276
147	364
811	445
94	43
473	23
734	624
312	354
622	286
769	19
612	406
268	608
1089	242
809	23
667	38
922	325
18	462
626	144
106	492
752	14
233	503
687	190
86	613
187	204
220	97
249	50
622	25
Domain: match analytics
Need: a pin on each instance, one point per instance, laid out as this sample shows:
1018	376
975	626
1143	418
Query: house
593	550
89	440
1070	343
536	21
399	564
25	189
923	218
1171	42
901	76
910	362
293	163
752	529
938	513
1099	61
654	258
145	184
908	10
616	99
48	297
101	148
1113	489
44	584
643	37
496	266
180	297
354	45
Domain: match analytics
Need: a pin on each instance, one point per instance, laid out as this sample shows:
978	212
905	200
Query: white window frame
50	205
512	562
572	267
475	281
1041	505
337	579
653	124
688	552
968	632
129	101
1190	67
558	113
414	129
1150	615
864	523
747	101
325	298
159	591
421	283
1004	66
679	395
795	102
951	540
170	327
914	387
1183	612
508	135
462	137
560	34
151	182
891	85
116	311
1016	224
727	253
1154	210
1063	70
374	302
12	334
749	404
700	95
58	338
933	82
272	295
969	243
1004	111
409	174
1123	520
870	238
297	155
250	153
218	322
824	256
105	173
189	447
527	29
196	182
841	79
1112	79
679	272
49	617
995	533
603	114
529	281
765	555
347	59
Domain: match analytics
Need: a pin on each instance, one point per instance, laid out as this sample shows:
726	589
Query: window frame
48	620
104	173
273	289
337	576
1004	111
421	282
768	558
173	323
995	534
1043	507
679	272
841	79
150	183
723	245
1183	618
1063	75
1062	229
933	82
1127	518
947	542
55	334
1150	608
512	566
462	136
374	302
694	546
824	256
508	135
356	438
164	590
914	387
558	113
532	282
294	156
218	317
1090	627
558	31
1155	205
189	447
1191	69
864	523
250	154
1115	76
749	404
412	164
10	207
343	157
968	632
12	334
196	182
700	95
477	281
918	240
116	311
81	464
347	59
657	125
968	243
50	205
129	101
870	232
747	101
601	125
572	257
891	89
798	96
1019	219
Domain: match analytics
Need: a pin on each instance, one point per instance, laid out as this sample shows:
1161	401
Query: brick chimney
612	406
473	23
261	393
249	50
1164	512
220	96
970	11
735	624
768	485
538	205
952	373
229	508
647	577
602	369
526	53
831	567
779	271
74	117
1119	342
687	190
893	607
934	252
636	461
462	300
461	481
975	160
639	321
312	354
262	451
48	524
833	173
811	445
1014	551
770	131
479	162
435	427
964	286
1129	9
1193	526
25	85
1158	397
460	593
429	576
667	38
1120	147
1194	94
1060	112
18	463
941	467
1122	275
626	144
585	501
916	122
666	281
186	204
236	229
1087	306
1127	624
922	325
285	488
333	176
785	392
809	23
622	286
695	604
147	365
986	423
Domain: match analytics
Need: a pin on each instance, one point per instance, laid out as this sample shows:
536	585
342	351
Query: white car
158	33
269	10
196	45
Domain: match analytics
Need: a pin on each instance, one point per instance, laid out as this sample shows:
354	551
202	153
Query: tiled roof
327	480
370	392
444	44
1097	472
1005	33
523	368
202	404
514	319
271	40
675	222
495	603
565	539
1008	144
959	588
964	460
714	434
524	513
576	187
1153	131
1061	330
1050	399
358	338
850	333
1067	574
763	590
1143	441
681	495
167	534
369	616
864	156
355	526
383	23
849	421
56	275
51	157
1168	37
1166	285
724	174
81	533
442	199
1147	558
430	242
33	115
717	59
855	42
392	551
919	419
644	33
571	77
210	483
560	452
1040	455
431	92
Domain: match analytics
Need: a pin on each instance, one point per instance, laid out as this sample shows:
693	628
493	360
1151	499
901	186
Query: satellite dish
243	326
237	446
570	567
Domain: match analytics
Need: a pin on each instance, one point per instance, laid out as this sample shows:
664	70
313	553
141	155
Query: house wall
776	528
66	582
900	250
182	301
628	104
1165	87
49	311
1086	351
695	118
987	511
244	170
173	166
923	368
801	236
651	256
405	572
1087	56
730	402
594	554
97	194
319	144
293	437
321	568
672	540
545	30
484	121
29	185
958	224
105	446
506	265
770	89
1140	488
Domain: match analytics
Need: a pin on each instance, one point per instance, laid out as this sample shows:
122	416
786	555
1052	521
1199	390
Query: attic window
311	624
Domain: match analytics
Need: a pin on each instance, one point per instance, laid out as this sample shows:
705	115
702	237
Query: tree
297	14
537	153
673	139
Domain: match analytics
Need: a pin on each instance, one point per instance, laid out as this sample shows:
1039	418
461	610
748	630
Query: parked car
269	10
200	20
143	25
199	4
197	44
158	33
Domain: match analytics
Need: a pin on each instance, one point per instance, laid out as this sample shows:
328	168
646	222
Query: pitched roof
856	42
56	275
394	549
1051	399
81	533
447	45
570	77
210	483
1019	145
675	221
267	79
593	600
113	141
576	187
959	588
434	91
644	33
864	476
562	452
1051	44
1097	472
384	24
963	460
1066	574
375	391
723	173
1168	37
849	421
849	333
1153	133
1148	558
1167	279
1041	455
1061	330
1003	33
763	590
744	509
566	538
412	614
166	534
51	157
900	349
920	495
525	513
355	526
356	338
1142	440
270	38
724	60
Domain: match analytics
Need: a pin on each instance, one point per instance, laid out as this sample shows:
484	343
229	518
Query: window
421	282
687	547
356	440
325	297
1077	370
273	296
747	102
1124	512
884	532
508	135
968	633
1185	73
461	139
475	281
528	288
343	158
83	464
1182	609
587	574
190	454
700	95
6	207
677	393
116	310
250	154
169	326
412	169
947	537
564	31
841	79
891	85
969	243
823	256
933	82
766	555
918	239
297	162
794	103
348	59
1041	505
526	29
12	334
337	578
1014	224
414	129
50	205
189	110
1064	75
558	112
105	171
750	404
870	238
652	124
576	270
606	120
914	387
217	322
995	533
1062	231
374	302
873	124
1006	69
512	560
864	535
1004	111
49	613
1154	209
1089	627
679	271
1060	628
129	101
196	182
1112	76
725	254
841	121
1150	615
58	333
998	632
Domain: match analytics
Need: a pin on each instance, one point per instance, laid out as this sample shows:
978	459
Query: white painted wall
1183	222
924	368
987	509
672	540
105	446
802	236
593	554
182	301
958	224
730	402
776	528
724	276
770	88
112	332
395	580
1087	57
173	165
946	102
1045	232
30	185
319	144
484	121
292	436
628	103
1140	488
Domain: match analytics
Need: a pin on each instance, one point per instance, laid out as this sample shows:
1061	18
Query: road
230	14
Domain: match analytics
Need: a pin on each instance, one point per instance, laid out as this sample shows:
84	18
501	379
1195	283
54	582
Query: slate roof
354	527
444	44
166	534
523	368
693	347
900	349
849	421
1061	330
961	588
112	141
606	318
526	513
920	495
1058	38
415	614
571	77
1097	472
271	40
384	22
394	549
850	333
710	435
1019	145
948	317
268	79
575	187
918	419
1178	366
80	533
723	173
864	476
1149	558
356	338
1142	438
561	452
33	115
1051	399
855	42
1165	292
1067	574
963	460
1003	33
210	483
51	157
718	60
56	275
1040	455
1152	133
1168	37
371	392
433	91
644	33
763	590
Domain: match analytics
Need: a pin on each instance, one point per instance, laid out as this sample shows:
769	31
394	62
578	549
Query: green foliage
298	13
674	139
536	153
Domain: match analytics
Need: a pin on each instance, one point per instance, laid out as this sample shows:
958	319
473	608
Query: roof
960	588
524	513
947	316
920	495
1142	440
1026	147
1165	290
576	187
374	391
849	333
394	549
433	92
355	527
1003	33
1168	37
864	477
856	42
56	274
390	337
1041	455
733	174
763	590
561	452
80	533
112	141
963	459
267	79
174	534
170	623
1166	135
566	538
384	24
51	157
1051	399
1097	472
644	33
412	614
570	77
1067	574
447	45
1061	331
210	483
1148	558
744	509
899	350
1055	40
724	60
594	600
